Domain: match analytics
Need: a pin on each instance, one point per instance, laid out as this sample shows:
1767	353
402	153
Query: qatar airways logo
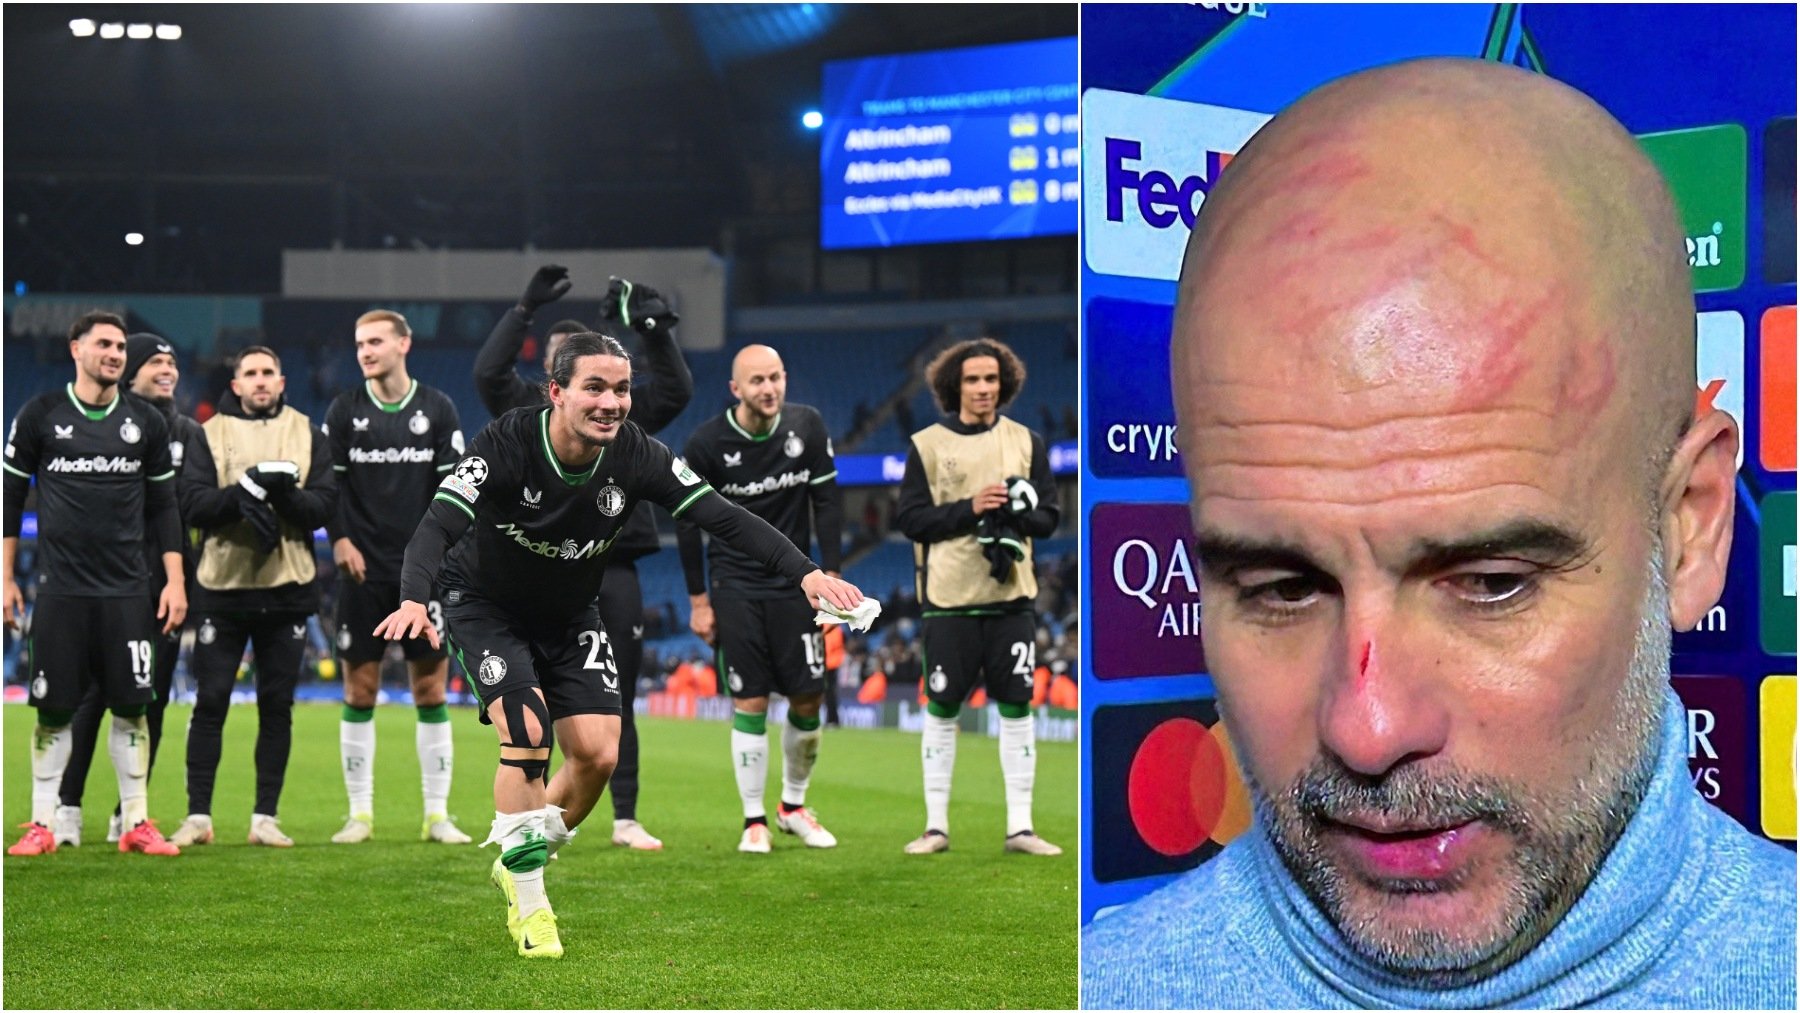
1145	583
1147	167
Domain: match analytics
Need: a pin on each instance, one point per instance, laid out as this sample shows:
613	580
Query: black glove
278	477
549	284
252	501
639	307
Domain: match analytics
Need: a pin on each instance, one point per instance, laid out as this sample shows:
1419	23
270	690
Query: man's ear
1699	496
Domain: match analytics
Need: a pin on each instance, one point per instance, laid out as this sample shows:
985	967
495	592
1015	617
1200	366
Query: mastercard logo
1166	790
1184	788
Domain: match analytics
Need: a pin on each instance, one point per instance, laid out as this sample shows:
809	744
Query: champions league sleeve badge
473	471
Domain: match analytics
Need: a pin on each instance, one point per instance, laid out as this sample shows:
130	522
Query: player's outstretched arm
756	538
441	527
823	589
407	622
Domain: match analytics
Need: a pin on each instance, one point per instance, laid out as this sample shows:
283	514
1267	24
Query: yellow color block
1779	756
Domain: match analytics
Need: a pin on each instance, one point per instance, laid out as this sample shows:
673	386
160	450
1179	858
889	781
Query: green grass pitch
396	923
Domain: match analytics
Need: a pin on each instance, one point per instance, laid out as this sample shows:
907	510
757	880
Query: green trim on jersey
550	455
369	387
731	417
455	501
92	415
936	613
164	477
823	478
703	490
14	470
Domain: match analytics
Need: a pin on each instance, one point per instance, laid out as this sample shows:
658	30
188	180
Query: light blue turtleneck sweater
1689	911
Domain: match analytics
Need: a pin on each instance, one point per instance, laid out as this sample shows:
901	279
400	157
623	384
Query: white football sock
556	832
749	761
50	749
356	745
128	743
437	759
799	751
937	751
1018	763
514	830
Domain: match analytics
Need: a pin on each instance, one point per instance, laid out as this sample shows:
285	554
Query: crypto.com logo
1147	164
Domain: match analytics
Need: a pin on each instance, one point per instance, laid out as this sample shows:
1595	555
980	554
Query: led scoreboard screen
950	146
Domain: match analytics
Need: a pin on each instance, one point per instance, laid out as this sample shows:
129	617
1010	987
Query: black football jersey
772	476
389	459
540	532
92	466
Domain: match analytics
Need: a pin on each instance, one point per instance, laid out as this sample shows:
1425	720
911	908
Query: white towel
860	618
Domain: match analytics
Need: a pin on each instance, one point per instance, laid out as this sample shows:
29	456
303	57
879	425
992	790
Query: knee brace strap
529	753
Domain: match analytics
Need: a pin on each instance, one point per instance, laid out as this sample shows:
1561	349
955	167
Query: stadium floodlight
112	30
812	119
134	239
139	31
81	28
168	33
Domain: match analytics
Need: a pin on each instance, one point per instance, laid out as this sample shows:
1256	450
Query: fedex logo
1719	367
1147	166
1160	200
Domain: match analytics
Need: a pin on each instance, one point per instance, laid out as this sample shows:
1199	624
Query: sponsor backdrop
1169	94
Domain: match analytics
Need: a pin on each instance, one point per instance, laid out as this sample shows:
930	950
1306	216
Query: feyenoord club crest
419	424
611	500
794	447
207	633
734	680
492	670
129	431
939	681
39	687
344	638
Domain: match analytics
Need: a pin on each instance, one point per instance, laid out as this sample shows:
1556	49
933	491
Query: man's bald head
1483	237
754	359
759	382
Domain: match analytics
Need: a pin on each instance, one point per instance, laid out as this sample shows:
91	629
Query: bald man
775	460
1433	365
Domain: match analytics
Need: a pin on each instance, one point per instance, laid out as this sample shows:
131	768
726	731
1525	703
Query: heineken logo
1707	168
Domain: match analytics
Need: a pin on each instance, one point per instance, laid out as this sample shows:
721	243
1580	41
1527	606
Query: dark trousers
622	614
85	726
278	640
